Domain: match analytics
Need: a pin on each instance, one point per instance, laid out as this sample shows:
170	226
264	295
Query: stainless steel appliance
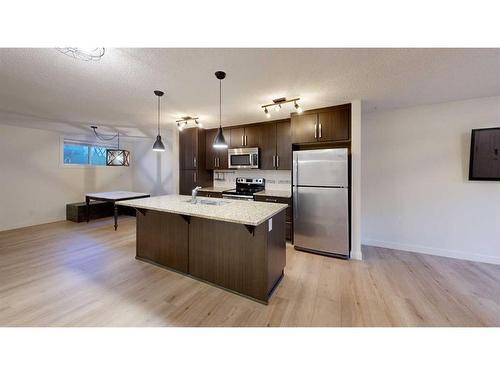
245	188
321	201
243	158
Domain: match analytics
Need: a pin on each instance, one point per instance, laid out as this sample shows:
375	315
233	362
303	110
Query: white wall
153	172
356	180
415	191
34	187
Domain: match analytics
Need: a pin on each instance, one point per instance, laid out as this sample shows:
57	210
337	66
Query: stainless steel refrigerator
321	201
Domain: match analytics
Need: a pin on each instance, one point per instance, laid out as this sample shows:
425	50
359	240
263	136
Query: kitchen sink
208	202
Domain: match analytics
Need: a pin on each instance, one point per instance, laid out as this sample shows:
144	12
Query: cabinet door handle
246	140
320	130
194	176
218	162
243	140
277	161
271	200
316	131
274	161
194	162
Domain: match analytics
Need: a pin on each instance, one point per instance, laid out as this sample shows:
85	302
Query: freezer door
321	219
327	167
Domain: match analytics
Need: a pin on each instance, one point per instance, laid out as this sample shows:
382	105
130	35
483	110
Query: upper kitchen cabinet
215	158
237	137
245	136
304	127
335	125
268	146
191	148
253	136
283	145
276	145
323	125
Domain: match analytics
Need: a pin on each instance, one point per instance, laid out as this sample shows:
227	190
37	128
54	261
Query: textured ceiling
44	88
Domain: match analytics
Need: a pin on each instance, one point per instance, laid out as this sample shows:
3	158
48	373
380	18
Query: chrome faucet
194	192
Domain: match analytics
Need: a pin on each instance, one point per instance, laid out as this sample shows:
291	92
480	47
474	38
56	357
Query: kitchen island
234	244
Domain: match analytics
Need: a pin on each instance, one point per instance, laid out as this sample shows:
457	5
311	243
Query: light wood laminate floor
68	274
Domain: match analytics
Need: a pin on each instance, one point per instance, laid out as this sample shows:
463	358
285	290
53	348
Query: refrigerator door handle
295	207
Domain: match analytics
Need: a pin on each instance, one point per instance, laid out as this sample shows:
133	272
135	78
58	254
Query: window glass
97	155
75	153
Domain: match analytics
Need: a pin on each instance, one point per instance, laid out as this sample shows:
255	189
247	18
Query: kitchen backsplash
275	180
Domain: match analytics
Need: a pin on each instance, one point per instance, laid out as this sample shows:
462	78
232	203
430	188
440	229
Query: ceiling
45	88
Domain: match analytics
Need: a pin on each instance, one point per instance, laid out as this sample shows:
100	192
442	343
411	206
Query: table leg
116	216
87	206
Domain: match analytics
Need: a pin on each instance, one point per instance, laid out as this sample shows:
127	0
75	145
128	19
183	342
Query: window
84	154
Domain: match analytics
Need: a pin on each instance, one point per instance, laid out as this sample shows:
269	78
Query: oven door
243	158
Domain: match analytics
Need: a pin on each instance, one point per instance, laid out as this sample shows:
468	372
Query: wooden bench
76	212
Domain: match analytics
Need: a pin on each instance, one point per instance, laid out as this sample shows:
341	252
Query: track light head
277	108
298	108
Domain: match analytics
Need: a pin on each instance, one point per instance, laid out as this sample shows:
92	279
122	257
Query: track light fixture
277	104
298	108
184	122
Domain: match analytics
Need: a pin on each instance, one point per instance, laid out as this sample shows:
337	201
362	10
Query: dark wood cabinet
215	158
288	212
276	145
304	128
268	146
189	148
210	151
253	135
331	124
237	137
245	136
187	181
192	163
334	125
163	239
283	145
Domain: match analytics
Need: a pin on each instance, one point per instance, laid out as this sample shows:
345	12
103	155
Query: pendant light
158	145
219	140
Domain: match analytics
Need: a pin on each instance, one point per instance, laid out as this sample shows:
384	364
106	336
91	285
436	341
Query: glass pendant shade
158	145
117	158
219	140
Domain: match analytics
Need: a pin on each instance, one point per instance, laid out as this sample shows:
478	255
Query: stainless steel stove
245	188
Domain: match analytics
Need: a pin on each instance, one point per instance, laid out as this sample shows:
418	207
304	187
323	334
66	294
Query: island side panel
227	254
163	239
276	250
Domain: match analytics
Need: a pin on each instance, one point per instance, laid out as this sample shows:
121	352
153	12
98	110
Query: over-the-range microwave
241	158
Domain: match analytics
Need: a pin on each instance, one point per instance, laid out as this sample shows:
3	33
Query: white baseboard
433	251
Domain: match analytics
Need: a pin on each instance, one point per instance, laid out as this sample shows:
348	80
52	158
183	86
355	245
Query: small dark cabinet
331	124
276	145
215	158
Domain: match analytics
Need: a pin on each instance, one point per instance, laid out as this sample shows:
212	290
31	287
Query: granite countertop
275	193
215	189
232	211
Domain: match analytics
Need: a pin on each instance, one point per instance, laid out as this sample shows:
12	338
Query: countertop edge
253	224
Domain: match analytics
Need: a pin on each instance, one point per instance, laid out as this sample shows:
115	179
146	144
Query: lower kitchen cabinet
288	212
190	178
